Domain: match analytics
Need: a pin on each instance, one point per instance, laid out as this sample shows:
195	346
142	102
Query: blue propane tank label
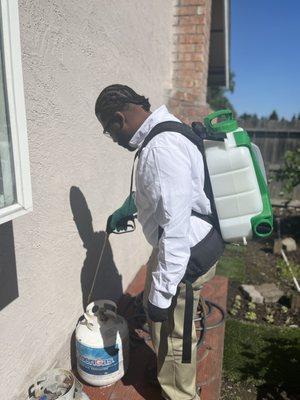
101	361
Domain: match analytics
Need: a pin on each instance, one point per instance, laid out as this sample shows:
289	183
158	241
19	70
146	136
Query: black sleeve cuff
157	314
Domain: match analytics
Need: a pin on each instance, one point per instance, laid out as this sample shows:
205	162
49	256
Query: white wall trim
227	41
17	112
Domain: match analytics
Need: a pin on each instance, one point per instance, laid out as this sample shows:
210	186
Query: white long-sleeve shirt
169	184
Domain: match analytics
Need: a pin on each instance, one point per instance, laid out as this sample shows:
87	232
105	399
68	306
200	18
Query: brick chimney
187	98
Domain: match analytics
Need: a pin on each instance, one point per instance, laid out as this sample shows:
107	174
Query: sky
265	56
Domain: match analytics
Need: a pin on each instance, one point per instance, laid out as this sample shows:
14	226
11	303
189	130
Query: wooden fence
273	144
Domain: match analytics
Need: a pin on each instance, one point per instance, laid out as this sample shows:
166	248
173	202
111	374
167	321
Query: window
15	185
7	176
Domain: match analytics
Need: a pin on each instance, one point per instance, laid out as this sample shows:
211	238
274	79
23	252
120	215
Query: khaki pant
177	380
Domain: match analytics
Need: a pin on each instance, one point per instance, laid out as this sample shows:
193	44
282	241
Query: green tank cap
229	124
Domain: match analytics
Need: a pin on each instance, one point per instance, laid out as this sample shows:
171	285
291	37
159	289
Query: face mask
123	141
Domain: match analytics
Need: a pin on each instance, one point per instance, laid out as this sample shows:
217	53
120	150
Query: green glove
118	220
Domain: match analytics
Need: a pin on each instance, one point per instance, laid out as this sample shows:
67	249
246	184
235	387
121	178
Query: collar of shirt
159	115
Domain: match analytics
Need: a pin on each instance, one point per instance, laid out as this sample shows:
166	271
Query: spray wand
125	225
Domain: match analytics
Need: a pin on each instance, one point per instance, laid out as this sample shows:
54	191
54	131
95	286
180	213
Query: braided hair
115	98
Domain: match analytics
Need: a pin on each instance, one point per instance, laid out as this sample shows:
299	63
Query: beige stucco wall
70	51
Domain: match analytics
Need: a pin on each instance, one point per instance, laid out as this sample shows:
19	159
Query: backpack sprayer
238	180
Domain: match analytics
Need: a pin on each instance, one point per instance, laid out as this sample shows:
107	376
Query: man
169	185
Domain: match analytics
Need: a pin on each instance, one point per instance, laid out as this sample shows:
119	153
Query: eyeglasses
106	131
112	133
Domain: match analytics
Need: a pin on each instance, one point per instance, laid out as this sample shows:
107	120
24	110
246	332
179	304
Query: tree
290	173
273	116
216	96
246	116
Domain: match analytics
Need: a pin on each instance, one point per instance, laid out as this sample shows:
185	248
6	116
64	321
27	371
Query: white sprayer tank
235	186
102	344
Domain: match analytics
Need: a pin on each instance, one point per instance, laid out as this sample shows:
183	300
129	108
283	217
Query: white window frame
16	111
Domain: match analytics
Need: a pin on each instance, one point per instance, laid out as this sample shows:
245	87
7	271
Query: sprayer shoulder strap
169	126
187	131
173	126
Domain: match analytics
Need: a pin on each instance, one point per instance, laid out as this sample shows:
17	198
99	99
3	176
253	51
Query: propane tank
102	344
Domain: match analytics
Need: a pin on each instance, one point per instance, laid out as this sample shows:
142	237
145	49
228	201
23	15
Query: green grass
232	267
238	250
232	263
261	355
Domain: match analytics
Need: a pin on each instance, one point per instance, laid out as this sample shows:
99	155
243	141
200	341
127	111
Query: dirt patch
261	267
237	391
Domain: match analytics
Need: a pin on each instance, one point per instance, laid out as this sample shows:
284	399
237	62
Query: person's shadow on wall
108	284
